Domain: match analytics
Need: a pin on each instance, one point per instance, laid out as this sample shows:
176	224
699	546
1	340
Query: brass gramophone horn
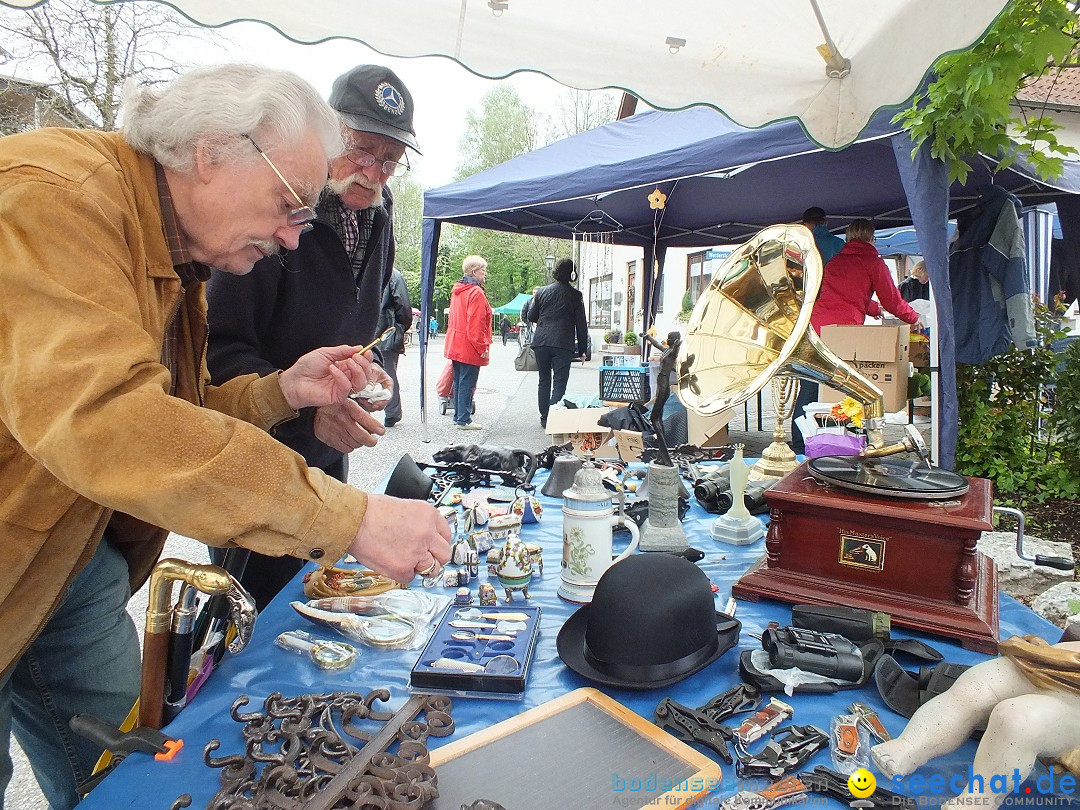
753	323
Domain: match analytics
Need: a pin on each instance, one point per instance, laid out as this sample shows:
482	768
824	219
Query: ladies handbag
526	359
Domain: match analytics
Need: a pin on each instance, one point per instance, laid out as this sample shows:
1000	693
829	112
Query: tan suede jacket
87	426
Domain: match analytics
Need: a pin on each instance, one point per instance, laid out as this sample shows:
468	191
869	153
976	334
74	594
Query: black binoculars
824	653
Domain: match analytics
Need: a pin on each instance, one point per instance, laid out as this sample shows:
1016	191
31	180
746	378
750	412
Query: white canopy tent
829	63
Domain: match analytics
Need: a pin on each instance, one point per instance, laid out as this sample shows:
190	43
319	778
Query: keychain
325	654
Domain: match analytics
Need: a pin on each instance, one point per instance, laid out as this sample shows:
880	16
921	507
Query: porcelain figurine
476	516
527	506
459	552
503	526
514	568
482	542
536	551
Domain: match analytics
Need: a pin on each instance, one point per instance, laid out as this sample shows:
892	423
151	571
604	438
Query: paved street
505	405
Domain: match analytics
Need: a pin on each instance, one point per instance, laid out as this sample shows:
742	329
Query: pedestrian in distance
561	336
397	319
468	337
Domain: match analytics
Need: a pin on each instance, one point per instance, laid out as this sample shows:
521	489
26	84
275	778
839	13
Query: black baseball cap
371	98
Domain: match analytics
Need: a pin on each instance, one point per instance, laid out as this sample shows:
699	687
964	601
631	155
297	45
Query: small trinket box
463	596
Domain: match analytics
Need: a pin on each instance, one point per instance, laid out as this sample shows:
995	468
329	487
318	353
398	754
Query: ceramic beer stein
588	520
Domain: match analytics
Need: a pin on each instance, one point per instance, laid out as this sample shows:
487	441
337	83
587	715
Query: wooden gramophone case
915	560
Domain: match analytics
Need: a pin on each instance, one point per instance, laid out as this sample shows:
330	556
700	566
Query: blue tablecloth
140	782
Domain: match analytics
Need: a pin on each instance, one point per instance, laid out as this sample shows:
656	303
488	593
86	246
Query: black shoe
390	422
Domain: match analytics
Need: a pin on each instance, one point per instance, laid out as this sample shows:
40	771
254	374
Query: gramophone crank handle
1060	563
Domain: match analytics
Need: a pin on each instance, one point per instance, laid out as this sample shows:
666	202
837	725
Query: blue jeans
465	377
85	661
553	364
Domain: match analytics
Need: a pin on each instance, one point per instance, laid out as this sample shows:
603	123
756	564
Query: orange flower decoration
657	199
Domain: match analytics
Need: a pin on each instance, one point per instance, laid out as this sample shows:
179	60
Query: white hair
217	106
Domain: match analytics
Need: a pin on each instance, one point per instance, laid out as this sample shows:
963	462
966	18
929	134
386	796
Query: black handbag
526	359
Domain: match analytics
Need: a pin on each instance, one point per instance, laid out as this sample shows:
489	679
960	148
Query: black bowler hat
651	623
371	98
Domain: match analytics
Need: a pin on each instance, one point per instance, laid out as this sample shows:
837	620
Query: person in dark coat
396	314
917	286
326	292
504	327
562	334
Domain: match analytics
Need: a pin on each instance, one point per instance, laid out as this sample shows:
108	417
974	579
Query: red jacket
468	330
851	278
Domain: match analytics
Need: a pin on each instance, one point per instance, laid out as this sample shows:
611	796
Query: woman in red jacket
851	279
468	336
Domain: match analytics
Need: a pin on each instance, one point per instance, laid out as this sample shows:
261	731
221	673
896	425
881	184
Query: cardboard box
579	427
919	353
879	353
630	444
708	431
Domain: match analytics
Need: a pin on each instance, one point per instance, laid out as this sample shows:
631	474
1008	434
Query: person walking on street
396	314
504	327
111	433
468	337
562	334
433	327
325	291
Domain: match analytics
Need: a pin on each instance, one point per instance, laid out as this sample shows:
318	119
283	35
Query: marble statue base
737	532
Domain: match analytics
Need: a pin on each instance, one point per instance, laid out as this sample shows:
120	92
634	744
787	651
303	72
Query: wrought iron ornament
320	752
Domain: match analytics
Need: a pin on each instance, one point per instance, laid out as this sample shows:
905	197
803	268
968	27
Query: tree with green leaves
967	109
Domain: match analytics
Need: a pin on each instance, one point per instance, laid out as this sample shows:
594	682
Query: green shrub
1020	416
630	339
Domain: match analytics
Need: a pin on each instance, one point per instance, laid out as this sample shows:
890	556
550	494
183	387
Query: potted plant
631	338
613	341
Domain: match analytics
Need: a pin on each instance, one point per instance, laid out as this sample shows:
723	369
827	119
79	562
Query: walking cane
208	579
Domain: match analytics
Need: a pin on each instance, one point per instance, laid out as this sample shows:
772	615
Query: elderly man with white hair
110	434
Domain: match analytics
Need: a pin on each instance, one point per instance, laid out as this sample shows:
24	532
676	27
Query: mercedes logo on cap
389	98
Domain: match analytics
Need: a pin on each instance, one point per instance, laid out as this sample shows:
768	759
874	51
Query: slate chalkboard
580	750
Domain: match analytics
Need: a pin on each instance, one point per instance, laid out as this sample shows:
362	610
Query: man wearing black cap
326	292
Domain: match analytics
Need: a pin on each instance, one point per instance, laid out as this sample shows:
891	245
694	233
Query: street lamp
549	261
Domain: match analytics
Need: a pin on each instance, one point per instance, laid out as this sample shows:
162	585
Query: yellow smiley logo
861	783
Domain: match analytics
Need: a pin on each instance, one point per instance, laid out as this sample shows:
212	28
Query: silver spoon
498	627
496	665
472	635
477	613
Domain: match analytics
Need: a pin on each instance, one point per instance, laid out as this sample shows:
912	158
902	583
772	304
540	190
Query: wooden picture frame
482	765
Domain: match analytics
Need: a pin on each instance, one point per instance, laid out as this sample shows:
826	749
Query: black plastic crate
624	384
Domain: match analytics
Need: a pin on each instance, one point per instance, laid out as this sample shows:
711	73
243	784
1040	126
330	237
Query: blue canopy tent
723	183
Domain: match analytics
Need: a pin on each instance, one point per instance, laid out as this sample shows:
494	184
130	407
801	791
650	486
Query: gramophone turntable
884	530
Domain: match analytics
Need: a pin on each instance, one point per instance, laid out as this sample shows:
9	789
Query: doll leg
944	723
1021	729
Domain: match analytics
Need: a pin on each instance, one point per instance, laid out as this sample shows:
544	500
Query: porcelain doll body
1030	701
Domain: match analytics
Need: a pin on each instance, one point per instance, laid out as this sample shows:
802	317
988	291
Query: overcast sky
442	90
